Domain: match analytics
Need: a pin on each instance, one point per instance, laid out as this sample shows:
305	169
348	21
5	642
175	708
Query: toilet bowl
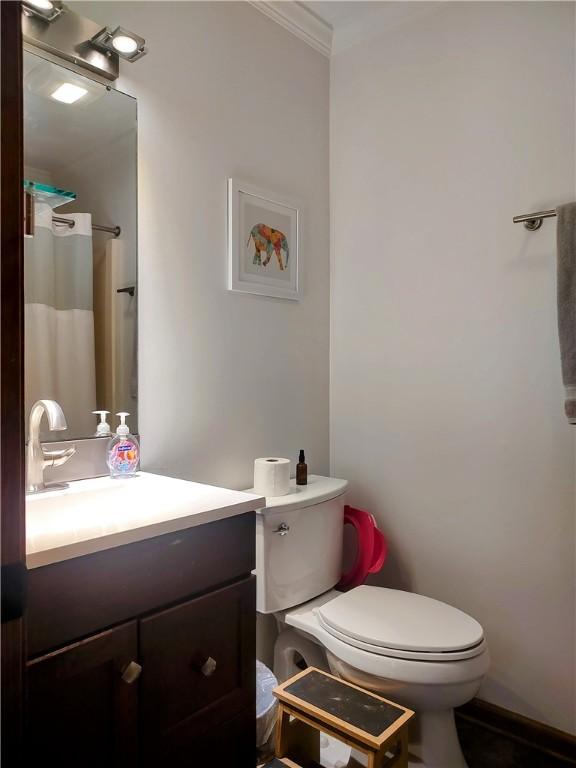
412	649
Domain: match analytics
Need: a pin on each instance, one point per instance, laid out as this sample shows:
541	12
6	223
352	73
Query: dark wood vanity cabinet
194	700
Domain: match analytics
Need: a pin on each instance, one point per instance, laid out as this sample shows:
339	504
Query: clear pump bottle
123	451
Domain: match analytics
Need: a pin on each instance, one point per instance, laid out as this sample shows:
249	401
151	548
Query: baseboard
538	737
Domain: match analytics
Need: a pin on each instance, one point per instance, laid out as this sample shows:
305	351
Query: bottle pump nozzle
103	428
123	427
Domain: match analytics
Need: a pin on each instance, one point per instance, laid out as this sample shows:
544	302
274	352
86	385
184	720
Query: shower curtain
59	319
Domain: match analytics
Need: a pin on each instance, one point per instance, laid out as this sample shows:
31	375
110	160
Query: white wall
224	377
446	398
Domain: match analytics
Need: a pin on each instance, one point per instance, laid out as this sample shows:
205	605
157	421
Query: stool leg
295	738
400	749
282	733
403	749
373	761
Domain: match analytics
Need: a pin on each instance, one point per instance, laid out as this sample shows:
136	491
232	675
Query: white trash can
266	704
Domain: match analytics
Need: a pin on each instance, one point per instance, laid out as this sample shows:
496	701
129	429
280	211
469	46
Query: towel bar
533	221
116	231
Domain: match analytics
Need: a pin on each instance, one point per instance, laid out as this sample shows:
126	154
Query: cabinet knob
209	667
131	672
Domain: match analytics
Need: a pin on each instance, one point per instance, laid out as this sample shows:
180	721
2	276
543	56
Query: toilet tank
299	543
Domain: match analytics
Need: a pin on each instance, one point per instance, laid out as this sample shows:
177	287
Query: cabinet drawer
77	597
183	694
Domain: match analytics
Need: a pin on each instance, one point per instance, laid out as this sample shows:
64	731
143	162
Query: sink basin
92	515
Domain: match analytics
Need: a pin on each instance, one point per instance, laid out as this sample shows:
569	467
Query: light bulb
42	5
68	93
124	44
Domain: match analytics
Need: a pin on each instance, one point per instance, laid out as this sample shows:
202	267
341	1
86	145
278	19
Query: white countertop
101	513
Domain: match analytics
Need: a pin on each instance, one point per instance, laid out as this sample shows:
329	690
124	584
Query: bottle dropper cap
122	427
103	428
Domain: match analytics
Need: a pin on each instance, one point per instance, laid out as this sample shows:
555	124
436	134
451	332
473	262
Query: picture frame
263	242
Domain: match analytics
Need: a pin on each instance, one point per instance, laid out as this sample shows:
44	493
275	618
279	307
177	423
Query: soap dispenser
103	428
123	451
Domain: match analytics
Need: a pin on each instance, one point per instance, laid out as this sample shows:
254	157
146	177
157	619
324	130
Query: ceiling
336	14
354	21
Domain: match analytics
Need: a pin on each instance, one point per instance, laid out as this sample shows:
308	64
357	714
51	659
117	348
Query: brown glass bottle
301	470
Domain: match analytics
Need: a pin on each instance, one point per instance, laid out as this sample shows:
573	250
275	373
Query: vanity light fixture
68	93
126	44
43	9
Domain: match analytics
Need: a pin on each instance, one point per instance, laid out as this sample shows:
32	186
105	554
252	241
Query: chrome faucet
37	457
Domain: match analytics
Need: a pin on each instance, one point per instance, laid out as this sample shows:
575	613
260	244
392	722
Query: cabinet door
81	711
198	679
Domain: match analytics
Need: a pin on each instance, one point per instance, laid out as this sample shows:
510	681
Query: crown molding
296	18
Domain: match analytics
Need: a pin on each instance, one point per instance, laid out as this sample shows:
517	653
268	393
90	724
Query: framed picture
262	242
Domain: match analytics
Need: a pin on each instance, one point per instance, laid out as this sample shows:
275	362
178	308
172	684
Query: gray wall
225	377
447	404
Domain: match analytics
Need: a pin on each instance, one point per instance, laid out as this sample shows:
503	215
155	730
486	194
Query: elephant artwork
269	240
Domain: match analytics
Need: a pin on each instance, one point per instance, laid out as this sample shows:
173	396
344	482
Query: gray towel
566	234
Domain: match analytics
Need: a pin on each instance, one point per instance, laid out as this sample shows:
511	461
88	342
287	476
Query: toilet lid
390	618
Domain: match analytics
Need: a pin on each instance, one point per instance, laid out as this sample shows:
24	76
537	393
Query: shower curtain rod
533	221
100	227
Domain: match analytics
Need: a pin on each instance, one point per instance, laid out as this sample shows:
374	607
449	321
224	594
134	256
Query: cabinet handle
131	672
209	667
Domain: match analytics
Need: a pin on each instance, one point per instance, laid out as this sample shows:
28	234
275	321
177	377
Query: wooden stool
314	701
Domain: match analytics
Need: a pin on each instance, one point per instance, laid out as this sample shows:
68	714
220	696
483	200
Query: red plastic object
372	548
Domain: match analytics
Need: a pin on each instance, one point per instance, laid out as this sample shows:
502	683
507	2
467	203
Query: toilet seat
404	625
411	669
398	653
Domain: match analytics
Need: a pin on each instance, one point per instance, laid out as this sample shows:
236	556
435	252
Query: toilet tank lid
317	490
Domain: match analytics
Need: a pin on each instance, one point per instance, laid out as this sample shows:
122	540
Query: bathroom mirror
80	262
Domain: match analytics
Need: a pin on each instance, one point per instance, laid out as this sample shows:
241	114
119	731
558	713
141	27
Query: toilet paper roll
272	476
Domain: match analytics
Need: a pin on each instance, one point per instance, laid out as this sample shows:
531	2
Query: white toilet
415	650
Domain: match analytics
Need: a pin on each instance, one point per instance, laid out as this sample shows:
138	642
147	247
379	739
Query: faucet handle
57	458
